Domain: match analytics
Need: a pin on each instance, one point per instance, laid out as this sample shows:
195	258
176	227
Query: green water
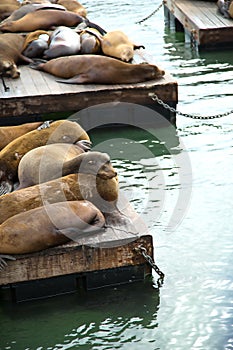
180	182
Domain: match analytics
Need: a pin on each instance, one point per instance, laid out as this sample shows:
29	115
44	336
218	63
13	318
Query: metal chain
154	97
142	250
152	14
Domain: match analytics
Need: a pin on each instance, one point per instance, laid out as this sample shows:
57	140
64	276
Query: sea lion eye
91	162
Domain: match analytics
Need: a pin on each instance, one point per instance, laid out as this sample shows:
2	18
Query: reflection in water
122	315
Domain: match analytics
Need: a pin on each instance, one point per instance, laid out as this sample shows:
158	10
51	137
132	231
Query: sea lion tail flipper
3	263
137	47
37	63
84	144
95	26
45	125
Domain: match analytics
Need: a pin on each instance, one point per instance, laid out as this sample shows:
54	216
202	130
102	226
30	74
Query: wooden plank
74	258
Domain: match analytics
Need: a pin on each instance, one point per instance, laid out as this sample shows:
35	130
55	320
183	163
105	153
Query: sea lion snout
9	69
107	171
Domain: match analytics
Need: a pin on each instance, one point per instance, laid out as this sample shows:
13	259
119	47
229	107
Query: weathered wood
37	93
201	19
74	258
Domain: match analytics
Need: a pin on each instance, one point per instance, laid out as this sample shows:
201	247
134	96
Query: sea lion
36	43
60	131
117	44
64	41
10	133
223	7
90	44
42	19
23	10
7	9
11	46
79	69
99	191
49	226
230	9
74	6
49	162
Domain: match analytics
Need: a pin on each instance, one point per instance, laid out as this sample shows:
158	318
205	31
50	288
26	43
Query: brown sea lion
117	44
11	46
230	9
10	133
99	191
49	162
7	9
79	69
74	6
60	131
23	10
42	19
49	226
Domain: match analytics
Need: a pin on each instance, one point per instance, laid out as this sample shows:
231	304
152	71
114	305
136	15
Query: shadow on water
97	317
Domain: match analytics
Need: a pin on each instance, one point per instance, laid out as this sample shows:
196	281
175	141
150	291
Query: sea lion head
9	69
94	163
126	53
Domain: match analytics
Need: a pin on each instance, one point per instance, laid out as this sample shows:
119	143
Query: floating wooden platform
36	94
204	26
102	259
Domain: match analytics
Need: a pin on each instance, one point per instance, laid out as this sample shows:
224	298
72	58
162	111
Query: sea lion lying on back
79	69
60	131
49	162
49	226
10	133
64	41
99	191
11	46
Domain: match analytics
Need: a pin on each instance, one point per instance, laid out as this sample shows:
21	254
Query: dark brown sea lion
117	44
79	69
99	191
49	226
11	46
42	19
10	133
74	6
61	131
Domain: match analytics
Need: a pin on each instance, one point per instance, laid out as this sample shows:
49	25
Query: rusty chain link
156	10
142	250
154	97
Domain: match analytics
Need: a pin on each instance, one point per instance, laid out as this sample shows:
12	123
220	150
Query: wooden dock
36	94
204	26
106	258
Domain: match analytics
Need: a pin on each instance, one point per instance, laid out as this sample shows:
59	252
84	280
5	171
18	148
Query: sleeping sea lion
53	161
10	133
79	69
23	10
64	41
74	6
11	46
117	44
49	226
7	9
90	44
60	131
42	19
36	43
99	191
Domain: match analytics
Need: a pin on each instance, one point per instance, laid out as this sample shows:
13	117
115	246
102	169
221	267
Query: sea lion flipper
45	125
77	79
3	263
